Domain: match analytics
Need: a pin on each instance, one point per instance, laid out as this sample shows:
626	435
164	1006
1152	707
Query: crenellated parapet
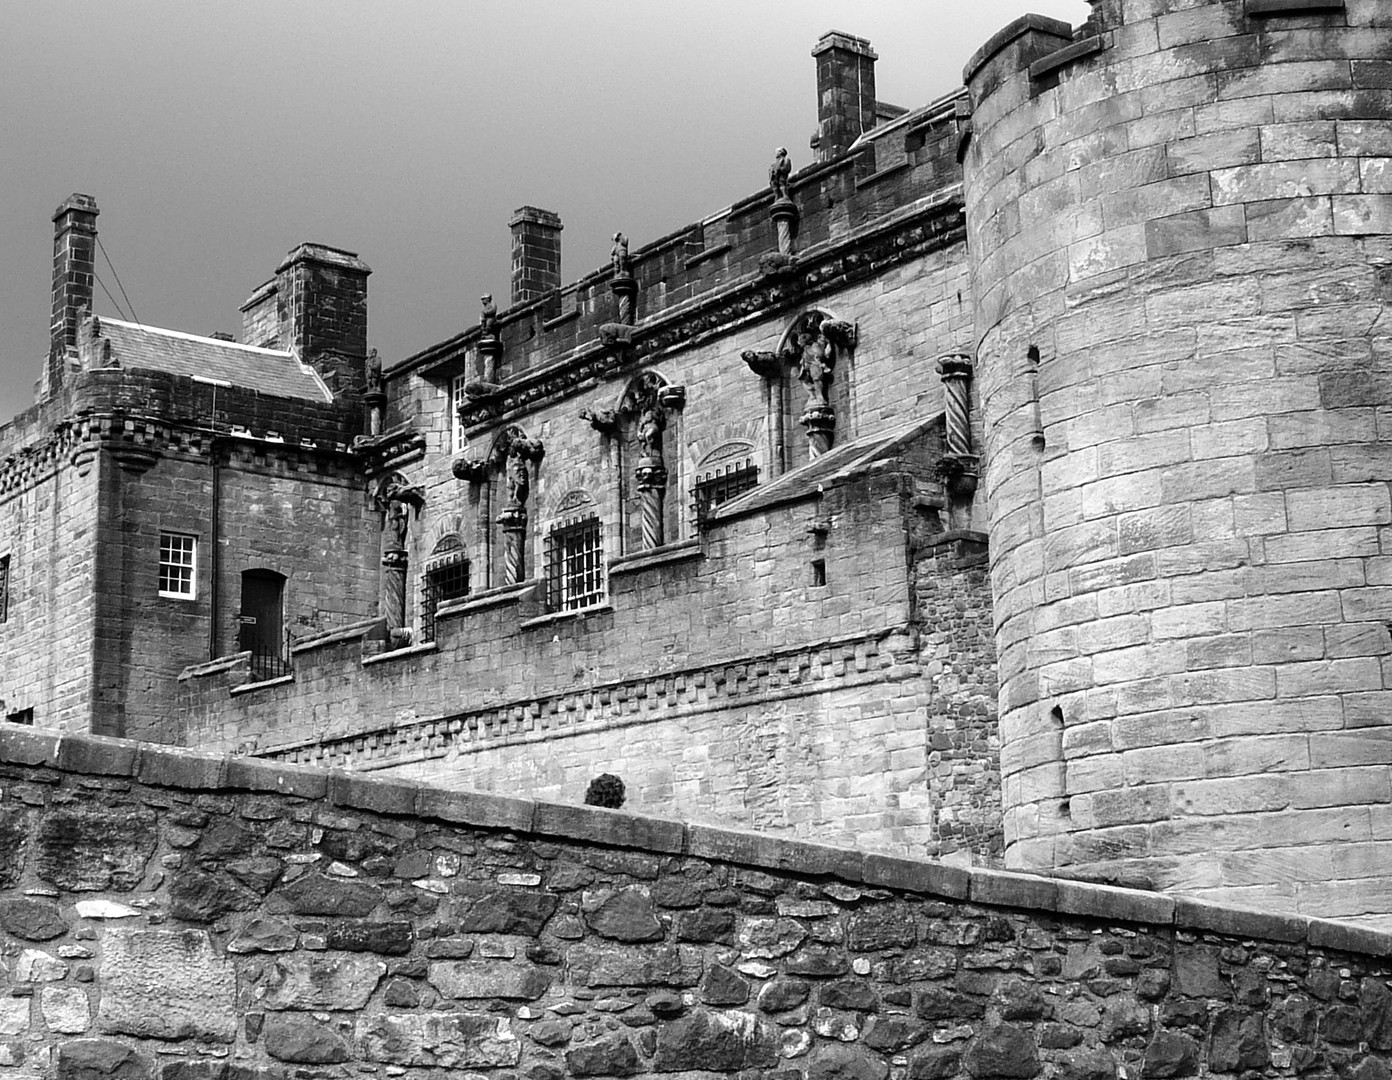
1179	221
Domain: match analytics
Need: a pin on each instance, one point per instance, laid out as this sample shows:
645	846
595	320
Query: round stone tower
1179	220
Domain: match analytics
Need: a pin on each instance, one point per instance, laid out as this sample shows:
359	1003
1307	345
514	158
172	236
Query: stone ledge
660	556
181	769
398	654
563	616
1267	8
247	688
1060	59
707	255
1003	37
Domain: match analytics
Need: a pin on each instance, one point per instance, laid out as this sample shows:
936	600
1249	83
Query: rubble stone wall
1179	227
172	916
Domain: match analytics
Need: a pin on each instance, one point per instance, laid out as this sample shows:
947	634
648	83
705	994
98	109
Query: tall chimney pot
845	92
74	273
536	253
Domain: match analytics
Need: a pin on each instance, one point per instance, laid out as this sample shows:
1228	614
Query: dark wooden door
262	621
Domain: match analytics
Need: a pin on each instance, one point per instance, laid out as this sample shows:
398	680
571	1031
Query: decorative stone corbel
764	364
605	421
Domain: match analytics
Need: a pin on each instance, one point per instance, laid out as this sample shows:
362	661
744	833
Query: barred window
575	565
177	565
723	483
4	588
446	578
458	440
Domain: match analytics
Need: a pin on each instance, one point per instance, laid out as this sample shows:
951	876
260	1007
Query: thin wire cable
112	299
134	317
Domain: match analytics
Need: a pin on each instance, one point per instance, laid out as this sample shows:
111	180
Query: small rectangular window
457	398
4	588
24	717
178	565
575	571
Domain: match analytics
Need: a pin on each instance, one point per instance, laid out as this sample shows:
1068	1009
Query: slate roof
838	464
267	371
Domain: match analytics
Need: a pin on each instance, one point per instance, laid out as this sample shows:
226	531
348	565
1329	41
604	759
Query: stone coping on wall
172	767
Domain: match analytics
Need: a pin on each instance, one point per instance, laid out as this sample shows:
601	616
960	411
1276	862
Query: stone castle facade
1060	396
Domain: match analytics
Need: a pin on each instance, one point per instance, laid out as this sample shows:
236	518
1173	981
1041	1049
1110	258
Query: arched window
445	577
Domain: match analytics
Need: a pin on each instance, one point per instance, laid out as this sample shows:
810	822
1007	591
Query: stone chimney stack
74	273
316	306
845	92
536	253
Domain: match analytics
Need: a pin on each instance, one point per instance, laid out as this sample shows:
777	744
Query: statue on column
816	361
488	316
779	173
619	258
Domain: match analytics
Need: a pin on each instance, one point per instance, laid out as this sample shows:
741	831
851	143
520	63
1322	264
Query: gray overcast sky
215	137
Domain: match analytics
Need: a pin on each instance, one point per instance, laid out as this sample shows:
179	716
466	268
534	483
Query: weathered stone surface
551	1032
835	1061
259	873
1375	1013
770	938
626	915
1095	1064
707	925
466	979
223	838
449	1040
1019	1000
724	987
818	961
388	938
303	1042
849	994
264	935
14	844
401	994
100	1059
166	984
1171	1054
894	1033
883	926
935	1063
316	894
636	965
105	909
1004	1051
321	981
200	897
612	1055
31	920
84	848
65	1009
35	965
780	995
1238	1042
716	1042
14	1015
509	911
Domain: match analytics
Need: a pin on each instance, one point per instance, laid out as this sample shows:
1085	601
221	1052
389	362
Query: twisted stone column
652	491
513	521
394	563
956	373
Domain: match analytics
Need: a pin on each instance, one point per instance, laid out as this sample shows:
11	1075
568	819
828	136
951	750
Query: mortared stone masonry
167	915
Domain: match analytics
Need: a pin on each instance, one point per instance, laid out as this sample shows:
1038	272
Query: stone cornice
926	226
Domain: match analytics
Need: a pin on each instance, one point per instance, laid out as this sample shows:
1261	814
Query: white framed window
178	566
456	401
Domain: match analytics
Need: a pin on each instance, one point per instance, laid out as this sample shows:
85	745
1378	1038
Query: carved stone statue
375	383
398	521
815	362
519	482
619	257
488	317
651	422
779	172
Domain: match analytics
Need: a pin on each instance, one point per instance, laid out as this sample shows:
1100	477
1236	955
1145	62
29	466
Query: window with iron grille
446	578
4	588
458	439
723	483
177	563
575	565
